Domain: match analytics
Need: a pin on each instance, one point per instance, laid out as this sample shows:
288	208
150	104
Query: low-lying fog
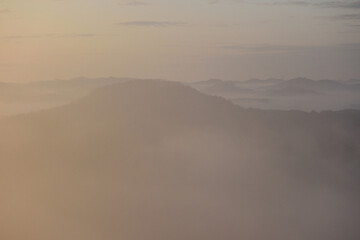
294	94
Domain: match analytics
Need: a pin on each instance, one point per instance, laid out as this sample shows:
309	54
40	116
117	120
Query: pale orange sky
183	40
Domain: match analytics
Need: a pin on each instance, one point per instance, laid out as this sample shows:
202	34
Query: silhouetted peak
149	90
165	100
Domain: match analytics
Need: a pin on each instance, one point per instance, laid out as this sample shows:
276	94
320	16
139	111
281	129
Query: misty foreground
158	160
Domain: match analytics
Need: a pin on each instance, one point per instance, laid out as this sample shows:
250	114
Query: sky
182	40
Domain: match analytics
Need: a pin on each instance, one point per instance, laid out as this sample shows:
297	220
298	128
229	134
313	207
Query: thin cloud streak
328	4
355	16
40	36
134	3
353	4
152	23
290	48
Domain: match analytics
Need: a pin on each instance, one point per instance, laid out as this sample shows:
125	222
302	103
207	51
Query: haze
157	160
179	120
183	40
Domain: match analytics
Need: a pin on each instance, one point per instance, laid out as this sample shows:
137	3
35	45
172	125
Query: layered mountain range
272	94
294	94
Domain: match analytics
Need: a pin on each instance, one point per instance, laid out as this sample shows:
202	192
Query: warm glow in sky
179	39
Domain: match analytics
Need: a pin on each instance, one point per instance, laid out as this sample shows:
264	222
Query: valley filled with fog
294	94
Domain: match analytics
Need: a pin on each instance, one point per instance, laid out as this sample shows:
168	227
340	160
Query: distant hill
178	164
81	82
294	94
263	82
320	85
354	81
17	98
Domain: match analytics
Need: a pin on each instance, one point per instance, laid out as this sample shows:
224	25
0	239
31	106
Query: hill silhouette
159	160
18	98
